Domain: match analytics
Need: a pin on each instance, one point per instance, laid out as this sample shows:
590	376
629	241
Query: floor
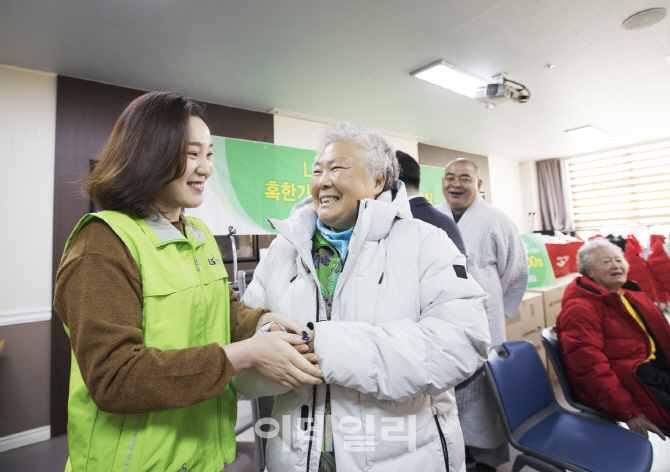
51	456
47	456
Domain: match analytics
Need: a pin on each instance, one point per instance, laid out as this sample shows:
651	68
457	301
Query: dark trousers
656	376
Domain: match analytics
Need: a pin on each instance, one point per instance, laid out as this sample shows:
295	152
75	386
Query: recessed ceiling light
592	135
450	77
643	19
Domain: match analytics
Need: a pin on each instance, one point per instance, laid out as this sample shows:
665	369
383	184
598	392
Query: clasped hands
287	358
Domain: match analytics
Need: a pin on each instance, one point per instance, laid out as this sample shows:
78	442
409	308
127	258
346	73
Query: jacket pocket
289	440
425	459
398	428
126	443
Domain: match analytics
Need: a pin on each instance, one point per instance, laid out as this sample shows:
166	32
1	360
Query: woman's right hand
278	360
640	425
275	355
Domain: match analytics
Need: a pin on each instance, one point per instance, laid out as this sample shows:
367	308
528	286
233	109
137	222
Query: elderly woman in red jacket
615	342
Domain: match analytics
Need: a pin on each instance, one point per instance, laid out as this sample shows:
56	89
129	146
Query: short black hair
410	172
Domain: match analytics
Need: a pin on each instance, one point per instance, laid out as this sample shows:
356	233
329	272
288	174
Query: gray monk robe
496	258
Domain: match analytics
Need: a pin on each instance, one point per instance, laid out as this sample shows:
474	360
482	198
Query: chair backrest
550	342
553	352
521	381
241	284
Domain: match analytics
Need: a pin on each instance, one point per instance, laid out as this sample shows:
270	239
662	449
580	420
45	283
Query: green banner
431	184
541	274
255	181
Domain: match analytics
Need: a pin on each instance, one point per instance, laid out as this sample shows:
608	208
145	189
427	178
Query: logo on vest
214	260
183	468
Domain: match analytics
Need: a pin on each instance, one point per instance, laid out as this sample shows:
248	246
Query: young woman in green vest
156	332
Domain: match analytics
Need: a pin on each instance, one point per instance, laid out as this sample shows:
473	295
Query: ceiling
350	60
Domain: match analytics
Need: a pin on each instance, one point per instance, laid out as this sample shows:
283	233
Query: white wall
27	150
531	195
507	190
300	133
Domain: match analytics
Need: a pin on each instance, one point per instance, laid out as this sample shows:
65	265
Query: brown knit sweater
98	296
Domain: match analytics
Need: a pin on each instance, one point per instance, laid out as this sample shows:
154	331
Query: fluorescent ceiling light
592	135
450	77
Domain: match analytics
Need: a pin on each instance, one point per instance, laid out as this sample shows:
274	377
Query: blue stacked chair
551	438
550	343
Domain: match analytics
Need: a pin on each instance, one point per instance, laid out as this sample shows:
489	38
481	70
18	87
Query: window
624	187
246	248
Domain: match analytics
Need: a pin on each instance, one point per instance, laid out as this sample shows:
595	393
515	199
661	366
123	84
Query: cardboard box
566	279
528	323
552	297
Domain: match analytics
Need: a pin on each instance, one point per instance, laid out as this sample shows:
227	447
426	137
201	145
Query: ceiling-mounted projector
503	92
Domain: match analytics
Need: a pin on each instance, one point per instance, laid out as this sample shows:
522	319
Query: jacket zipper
222	452
224	458
444	443
311	426
312	432
202	291
132	443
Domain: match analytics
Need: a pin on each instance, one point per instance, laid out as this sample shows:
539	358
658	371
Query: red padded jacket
640	272
602	346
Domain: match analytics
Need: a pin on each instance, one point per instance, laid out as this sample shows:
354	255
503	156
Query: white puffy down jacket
406	327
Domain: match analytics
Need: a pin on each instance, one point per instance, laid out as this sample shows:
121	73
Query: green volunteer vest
186	303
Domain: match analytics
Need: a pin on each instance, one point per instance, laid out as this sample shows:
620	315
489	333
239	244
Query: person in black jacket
421	208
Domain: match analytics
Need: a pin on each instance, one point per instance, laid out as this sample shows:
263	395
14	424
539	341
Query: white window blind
629	186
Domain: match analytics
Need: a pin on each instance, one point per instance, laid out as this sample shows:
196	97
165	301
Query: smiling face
460	185
609	269
187	190
339	180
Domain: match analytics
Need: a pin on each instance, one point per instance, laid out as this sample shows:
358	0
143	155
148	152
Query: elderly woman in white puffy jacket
397	321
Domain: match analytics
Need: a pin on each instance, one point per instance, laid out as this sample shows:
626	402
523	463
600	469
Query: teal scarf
340	241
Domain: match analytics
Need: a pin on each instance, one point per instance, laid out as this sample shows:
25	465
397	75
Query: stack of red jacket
646	273
659	263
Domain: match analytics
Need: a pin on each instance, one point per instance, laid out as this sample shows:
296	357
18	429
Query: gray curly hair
377	151
586	258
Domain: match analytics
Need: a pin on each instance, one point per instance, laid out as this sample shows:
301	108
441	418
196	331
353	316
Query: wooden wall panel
85	115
